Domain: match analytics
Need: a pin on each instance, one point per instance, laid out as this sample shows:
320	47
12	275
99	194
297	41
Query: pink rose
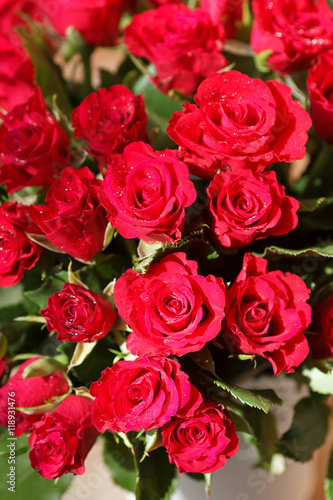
141	394
240	118
184	44
72	218
28	393
266	314
296	32
33	146
171	309
145	193
78	315
200	441
17	252
244	207
62	439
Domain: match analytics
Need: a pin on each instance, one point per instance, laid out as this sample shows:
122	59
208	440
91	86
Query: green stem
85	55
319	165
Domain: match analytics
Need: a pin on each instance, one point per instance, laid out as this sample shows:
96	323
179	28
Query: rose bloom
184	44
229	12
30	392
266	314
320	88
201	441
321	340
141	394
296	32
72	218
110	119
77	314
244	207
171	309
17	252
16	74
240	118
62	439
9	14
33	146
145	193
96	21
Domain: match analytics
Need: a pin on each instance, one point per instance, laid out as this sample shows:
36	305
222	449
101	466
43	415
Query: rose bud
141	394
201	441
266	314
17	252
321	341
228	12
72	217
29	393
77	314
244	207
62	439
296	33
240	118
110	119
184	44
33	146
171	309
145	193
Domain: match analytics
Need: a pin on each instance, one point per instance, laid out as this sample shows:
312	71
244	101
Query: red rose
78	315
184	44
72	218
320	87
96	21
145	193
141	394
10	18
202	441
16	74
17	252
171	309
229	12
241	118
296	32
33	146
62	439
110	119
243	207
28	393
266	314
158	3
321	344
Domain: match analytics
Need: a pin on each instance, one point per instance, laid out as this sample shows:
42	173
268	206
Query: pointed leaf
262	399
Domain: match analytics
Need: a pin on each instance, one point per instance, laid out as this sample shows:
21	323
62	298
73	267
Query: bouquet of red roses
165	236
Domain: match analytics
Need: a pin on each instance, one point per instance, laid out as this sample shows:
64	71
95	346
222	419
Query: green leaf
261	399
48	74
328	485
159	108
307	432
318	381
315	251
42	367
81	352
119	459
264	437
312	204
28	483
51	285
151	483
260	60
